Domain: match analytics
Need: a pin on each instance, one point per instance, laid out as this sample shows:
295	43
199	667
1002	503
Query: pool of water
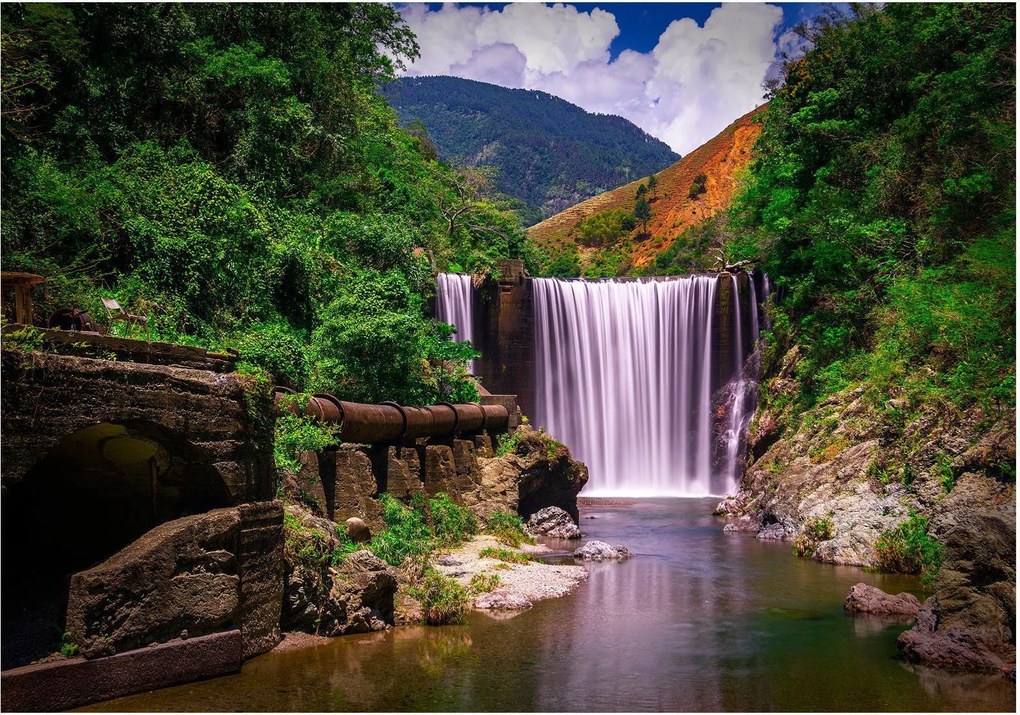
698	620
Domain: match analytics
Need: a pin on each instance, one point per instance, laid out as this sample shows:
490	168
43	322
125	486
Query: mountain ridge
550	153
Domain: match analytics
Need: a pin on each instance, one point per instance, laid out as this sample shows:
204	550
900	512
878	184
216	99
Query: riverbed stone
864	598
601	551
501	600
554	523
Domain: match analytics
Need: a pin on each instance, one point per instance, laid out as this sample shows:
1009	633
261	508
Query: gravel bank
520	585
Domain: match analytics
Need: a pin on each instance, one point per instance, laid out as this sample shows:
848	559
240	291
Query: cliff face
842	477
720	160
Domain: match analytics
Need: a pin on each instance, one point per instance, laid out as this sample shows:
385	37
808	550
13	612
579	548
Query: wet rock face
969	624
554	523
182	575
601	551
874	601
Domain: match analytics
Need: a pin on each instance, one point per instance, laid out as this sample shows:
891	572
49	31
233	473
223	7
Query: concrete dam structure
650	381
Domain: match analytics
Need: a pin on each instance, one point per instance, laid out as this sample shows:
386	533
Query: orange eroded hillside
720	159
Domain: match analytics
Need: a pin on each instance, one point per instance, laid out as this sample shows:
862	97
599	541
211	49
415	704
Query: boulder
500	600
360	596
601	551
357	530
968	624
869	599
553	522
182	575
355	596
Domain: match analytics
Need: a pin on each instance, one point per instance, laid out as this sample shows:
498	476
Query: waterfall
651	382
737	394
623	377
454	303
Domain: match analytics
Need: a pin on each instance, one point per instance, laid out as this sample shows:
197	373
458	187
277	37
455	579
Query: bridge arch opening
92	494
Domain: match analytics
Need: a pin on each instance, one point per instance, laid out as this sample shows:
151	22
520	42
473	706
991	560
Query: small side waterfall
454	305
737	395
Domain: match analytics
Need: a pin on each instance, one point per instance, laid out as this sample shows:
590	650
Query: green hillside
549	153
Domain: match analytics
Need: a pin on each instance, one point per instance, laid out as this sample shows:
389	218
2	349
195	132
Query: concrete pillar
505	335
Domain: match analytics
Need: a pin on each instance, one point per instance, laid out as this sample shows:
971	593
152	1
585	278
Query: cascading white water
627	376
624	378
454	296
737	409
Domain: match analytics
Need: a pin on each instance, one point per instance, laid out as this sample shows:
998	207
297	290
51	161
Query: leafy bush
443	600
483	583
697	187
909	549
295	434
508	529
451	523
407	532
420	529
815	531
605	228
510	557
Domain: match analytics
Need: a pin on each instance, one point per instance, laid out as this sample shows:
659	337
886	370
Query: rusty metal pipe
391	423
470	418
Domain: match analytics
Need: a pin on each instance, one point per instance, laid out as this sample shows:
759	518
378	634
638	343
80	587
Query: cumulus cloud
696	80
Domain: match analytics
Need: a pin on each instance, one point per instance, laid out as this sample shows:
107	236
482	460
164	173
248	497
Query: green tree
881	197
653	184
643	213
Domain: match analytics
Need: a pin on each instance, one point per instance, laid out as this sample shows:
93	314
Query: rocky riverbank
331	590
858	483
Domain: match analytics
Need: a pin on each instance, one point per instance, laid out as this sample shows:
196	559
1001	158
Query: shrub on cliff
909	549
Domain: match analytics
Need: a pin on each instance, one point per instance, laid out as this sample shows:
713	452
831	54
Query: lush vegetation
882	201
909	549
421	528
605	228
443	600
549	153
508	529
505	555
233	174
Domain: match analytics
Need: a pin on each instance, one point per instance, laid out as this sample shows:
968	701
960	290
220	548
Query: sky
680	71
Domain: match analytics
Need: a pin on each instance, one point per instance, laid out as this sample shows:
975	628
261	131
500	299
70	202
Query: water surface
697	620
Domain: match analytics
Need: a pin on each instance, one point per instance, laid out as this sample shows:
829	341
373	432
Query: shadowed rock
871	600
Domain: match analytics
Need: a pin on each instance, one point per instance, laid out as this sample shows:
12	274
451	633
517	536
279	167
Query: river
697	620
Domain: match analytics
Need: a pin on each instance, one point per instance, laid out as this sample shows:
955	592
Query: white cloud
694	82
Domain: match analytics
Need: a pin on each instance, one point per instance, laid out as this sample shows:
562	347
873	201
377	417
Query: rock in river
869	599
553	522
601	551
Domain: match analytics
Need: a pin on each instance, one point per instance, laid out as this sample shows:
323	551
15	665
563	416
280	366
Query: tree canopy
232	172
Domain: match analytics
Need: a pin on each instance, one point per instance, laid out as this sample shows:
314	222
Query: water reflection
697	620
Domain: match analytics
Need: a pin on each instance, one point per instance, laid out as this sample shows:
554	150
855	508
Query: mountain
676	206
550	153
